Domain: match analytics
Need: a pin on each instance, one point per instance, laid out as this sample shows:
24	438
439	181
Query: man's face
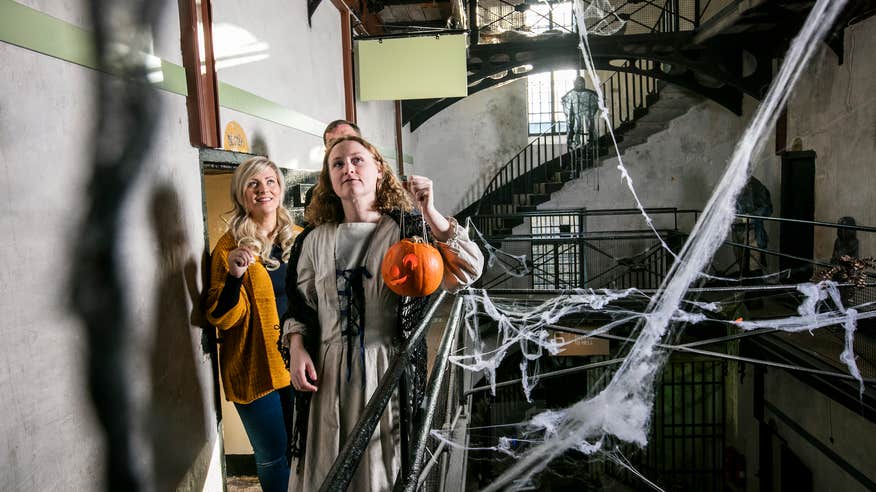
338	132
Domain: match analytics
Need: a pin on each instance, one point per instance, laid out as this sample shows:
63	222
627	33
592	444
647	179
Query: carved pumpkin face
412	268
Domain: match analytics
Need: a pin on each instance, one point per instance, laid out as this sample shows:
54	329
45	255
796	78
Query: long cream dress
343	391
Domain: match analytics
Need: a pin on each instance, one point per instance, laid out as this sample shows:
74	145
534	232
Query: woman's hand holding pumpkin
422	191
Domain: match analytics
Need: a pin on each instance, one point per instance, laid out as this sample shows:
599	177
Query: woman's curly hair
325	207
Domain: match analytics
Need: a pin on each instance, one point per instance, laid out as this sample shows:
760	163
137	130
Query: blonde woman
246	294
343	321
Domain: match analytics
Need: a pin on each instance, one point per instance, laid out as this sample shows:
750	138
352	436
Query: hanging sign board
417	67
580	345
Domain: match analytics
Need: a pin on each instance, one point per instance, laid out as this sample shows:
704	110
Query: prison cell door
798	202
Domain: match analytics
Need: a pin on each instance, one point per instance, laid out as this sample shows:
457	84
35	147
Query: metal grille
449	400
640	17
623	261
542	17
501	17
596	261
686	441
687	437
685	444
557	265
541	116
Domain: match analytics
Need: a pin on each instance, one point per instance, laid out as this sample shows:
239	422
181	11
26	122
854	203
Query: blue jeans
265	422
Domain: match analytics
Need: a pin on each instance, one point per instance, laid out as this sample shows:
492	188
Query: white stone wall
830	423
463	146
267	48
46	411
677	167
303	68
833	112
52	440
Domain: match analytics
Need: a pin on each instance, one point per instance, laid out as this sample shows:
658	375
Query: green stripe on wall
174	79
23	26
34	30
246	102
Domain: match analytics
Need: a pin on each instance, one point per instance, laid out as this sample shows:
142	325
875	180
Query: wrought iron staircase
545	164
719	50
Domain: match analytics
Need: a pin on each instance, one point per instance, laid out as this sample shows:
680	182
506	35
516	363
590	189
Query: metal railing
627	98
441	400
341	472
546	162
448	402
639	17
522	172
573	248
571	252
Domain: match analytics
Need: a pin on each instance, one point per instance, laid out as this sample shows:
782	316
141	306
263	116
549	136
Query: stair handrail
622	110
670	19
550	131
621	113
341	473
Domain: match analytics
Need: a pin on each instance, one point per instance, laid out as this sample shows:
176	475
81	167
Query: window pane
541	17
545	102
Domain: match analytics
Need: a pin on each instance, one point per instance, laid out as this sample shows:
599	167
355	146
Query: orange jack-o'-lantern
412	268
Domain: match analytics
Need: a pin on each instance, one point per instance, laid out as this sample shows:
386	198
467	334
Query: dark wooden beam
399	150
347	59
202	101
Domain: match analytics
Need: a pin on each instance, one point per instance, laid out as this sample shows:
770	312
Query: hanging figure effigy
580	106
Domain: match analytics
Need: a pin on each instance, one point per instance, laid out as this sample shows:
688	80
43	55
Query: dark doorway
798	202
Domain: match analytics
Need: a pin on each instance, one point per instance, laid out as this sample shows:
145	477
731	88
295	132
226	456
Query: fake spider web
622	410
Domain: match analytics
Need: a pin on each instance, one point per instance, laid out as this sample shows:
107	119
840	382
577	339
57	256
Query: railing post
746	255
643	88
404	424
410	476
473	23
347	461
613	103
582	258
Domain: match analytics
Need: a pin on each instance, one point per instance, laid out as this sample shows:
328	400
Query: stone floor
243	484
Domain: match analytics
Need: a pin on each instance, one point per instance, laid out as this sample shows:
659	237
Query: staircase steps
548	187
530	189
674	101
530	198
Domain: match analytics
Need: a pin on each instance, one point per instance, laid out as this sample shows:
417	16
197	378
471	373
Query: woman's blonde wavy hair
325	207
244	230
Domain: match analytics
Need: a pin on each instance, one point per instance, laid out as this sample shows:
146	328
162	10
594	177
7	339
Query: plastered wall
677	167
826	423
51	438
50	435
833	112
461	147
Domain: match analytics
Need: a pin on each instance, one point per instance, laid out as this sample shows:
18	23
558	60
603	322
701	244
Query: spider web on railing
621	412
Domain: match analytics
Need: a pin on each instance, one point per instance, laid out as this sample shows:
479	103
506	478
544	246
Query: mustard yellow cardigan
249	361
